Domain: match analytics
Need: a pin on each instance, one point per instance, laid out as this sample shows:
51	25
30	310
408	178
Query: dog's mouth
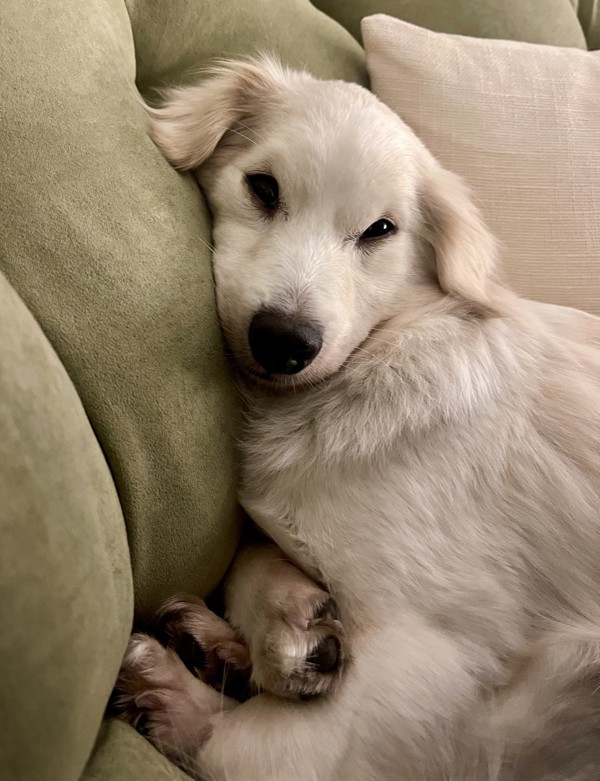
254	377
274	383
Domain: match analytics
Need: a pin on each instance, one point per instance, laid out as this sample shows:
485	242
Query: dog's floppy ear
465	251
192	120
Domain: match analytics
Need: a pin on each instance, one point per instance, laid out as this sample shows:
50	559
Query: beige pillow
521	124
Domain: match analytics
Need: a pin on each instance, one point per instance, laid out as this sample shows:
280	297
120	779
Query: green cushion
122	754
537	21
104	243
589	16
174	39
65	577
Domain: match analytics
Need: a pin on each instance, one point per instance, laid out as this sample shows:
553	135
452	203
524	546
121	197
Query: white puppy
419	440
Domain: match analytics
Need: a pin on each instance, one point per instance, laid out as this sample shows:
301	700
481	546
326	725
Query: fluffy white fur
437	466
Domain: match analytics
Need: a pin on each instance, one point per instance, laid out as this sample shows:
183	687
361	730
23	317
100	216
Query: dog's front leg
394	716
267	738
398	715
288	621
271	739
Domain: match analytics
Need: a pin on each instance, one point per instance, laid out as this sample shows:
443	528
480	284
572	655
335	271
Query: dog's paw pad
326	656
147	672
325	611
206	644
301	651
154	695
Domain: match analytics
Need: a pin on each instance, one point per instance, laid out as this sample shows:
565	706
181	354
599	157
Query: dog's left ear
192	120
465	250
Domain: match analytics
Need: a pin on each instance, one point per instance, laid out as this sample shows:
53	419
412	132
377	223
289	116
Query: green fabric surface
122	754
589	16
174	39
104	242
65	577
537	21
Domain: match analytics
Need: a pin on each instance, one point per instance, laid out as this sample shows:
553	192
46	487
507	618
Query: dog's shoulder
573	325
404	379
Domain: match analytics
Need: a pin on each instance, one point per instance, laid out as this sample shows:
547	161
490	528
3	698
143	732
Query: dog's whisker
251	130
207	244
243	135
379	360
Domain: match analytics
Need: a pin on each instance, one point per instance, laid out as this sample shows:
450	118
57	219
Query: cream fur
437	466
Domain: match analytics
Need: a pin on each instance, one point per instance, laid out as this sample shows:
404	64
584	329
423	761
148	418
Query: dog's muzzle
282	343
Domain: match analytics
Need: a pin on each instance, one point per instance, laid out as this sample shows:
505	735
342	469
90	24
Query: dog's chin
256	379
253	377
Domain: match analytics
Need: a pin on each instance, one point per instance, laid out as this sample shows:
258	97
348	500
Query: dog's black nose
283	344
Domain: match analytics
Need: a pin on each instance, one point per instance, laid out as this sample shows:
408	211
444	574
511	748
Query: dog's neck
414	372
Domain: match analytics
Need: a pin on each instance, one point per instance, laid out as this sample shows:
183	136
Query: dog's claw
326	656
300	655
205	643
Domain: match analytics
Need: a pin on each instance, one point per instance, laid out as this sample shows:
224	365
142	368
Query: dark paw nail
326	655
327	608
307	697
190	653
170	633
164	628
141	725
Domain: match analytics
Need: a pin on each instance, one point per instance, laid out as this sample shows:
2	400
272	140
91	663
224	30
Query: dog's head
329	215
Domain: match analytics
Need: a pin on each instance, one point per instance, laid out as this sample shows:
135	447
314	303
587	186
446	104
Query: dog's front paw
157	695
298	649
207	645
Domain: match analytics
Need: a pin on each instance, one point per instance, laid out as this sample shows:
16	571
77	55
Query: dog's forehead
334	117
338	135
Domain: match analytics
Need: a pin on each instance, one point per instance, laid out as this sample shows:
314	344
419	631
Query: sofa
117	412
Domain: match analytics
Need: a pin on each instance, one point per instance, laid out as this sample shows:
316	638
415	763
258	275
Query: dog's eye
378	230
265	188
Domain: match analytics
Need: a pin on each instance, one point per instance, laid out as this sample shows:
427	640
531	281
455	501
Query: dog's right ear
192	121
465	251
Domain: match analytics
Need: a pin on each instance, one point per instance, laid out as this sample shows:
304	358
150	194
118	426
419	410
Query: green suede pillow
107	245
102	240
65	578
537	21
588	12
174	39
122	754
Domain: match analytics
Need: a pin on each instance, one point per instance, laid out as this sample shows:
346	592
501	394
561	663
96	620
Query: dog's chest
352	522
299	508
298	493
397	526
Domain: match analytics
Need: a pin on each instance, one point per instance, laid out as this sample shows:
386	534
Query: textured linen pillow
521	124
